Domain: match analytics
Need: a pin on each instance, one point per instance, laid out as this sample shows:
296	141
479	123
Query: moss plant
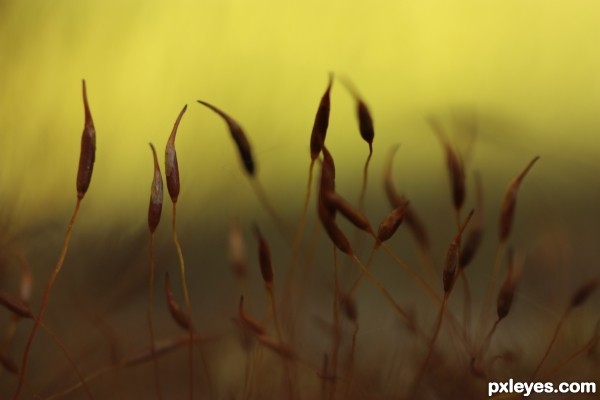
334	323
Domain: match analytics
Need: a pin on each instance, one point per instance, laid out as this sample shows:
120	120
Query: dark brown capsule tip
156	195
239	137
365	123
171	164
507	211
87	155
321	124
264	256
507	291
583	293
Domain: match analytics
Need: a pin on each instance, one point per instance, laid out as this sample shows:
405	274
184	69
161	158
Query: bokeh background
524	73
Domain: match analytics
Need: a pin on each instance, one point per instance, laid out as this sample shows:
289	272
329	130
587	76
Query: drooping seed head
180	317
365	120
156	195
583	293
391	223
171	164
451	262
507	291
507	211
455	167
319	130
87	155
239	137
264	257
413	222
355	217
333	231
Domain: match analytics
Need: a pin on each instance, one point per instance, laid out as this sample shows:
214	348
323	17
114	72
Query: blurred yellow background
528	71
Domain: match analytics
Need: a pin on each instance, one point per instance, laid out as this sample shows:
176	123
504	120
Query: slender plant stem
149	316
186	297
46	297
562	320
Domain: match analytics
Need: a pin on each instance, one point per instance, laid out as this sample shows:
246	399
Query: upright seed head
319	130
87	155
451	263
455	167
507	291
327	184
264	256
473	241
583	293
239	137
171	164
156	195
507	211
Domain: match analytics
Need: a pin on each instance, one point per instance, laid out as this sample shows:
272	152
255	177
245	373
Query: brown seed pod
177	313
87	155
248	322
319	130
357	218
15	305
239	137
390	224
327	184
455	166
264	256
171	164
333	231
451	263
413	222
156	195
365	120
507	291
473	240
583	293
507	211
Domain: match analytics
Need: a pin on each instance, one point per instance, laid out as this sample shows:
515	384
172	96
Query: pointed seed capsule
239	137
171	164
87	155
